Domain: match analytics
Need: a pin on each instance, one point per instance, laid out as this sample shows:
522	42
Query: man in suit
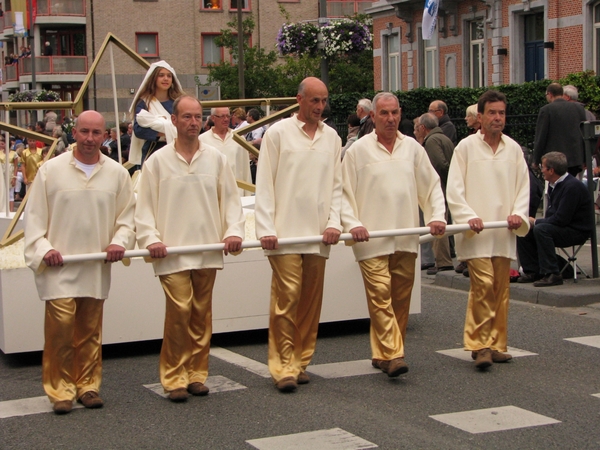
569	221
557	129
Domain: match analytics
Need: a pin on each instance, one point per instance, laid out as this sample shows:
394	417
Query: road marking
333	439
460	353
216	384
344	369
596	395
28	406
592	341
494	419
250	365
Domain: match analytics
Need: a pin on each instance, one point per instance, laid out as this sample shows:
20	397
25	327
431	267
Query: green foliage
587	83
351	74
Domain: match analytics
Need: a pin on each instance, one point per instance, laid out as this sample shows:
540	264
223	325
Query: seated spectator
569	221
125	143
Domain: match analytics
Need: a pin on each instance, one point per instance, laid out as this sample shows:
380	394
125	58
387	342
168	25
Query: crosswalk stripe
250	365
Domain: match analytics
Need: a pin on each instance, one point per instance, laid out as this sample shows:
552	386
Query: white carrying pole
283	241
114	88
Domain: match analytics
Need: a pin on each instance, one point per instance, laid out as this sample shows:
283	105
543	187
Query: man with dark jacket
557	129
569	221
440	110
439	148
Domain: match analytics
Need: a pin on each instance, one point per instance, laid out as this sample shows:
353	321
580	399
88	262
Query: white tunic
383	191
491	186
72	214
237	156
298	185
187	204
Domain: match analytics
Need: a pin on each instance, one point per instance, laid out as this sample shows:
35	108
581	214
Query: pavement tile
333	439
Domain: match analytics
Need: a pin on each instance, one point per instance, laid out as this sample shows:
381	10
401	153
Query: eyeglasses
224	116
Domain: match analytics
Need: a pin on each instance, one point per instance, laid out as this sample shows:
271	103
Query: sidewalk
585	292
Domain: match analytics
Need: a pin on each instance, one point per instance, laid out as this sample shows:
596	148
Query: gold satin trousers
487	309
388	281
188	327
72	359
296	298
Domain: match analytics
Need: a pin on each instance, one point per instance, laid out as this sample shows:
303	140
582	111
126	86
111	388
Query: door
534	47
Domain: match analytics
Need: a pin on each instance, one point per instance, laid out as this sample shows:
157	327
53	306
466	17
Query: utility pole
242	89
32	44
321	43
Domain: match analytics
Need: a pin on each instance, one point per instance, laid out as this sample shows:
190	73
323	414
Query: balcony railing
61	7
11	73
46	65
6	20
52	65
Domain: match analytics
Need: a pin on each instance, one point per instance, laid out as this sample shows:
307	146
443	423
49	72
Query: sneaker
287	384
396	367
178	395
549	280
91	400
62	407
461	267
197	389
497	357
303	378
483	359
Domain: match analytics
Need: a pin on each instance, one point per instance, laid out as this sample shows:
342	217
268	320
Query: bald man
298	193
80	202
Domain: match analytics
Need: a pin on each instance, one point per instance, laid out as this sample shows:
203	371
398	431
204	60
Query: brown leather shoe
287	384
380	364
484	358
303	378
91	400
460	268
62	407
497	357
549	280
178	395
396	367
197	389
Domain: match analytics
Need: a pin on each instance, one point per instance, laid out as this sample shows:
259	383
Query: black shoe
549	280
527	278
426	266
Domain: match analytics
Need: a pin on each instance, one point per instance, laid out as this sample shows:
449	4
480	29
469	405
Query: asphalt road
559	383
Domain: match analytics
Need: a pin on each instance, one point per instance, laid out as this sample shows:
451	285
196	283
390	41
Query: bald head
89	135
312	99
310	83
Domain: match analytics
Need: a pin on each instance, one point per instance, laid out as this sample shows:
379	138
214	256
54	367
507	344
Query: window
146	44
476	61
393	62
342	8
215	5
211	53
597	38
430	60
234	5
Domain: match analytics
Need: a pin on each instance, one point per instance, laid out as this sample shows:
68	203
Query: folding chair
572	259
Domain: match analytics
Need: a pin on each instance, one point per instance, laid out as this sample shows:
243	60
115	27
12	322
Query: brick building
483	42
182	32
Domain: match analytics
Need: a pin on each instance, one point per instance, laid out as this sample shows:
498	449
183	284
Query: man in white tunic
80	202
488	181
387	177
187	196
298	193
220	136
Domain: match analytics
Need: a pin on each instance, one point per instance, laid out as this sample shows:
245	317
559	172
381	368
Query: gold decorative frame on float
77	106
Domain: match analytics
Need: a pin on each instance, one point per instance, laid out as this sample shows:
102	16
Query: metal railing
60	8
50	65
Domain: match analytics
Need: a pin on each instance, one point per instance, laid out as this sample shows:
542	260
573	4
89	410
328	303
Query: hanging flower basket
298	39
340	37
34	96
